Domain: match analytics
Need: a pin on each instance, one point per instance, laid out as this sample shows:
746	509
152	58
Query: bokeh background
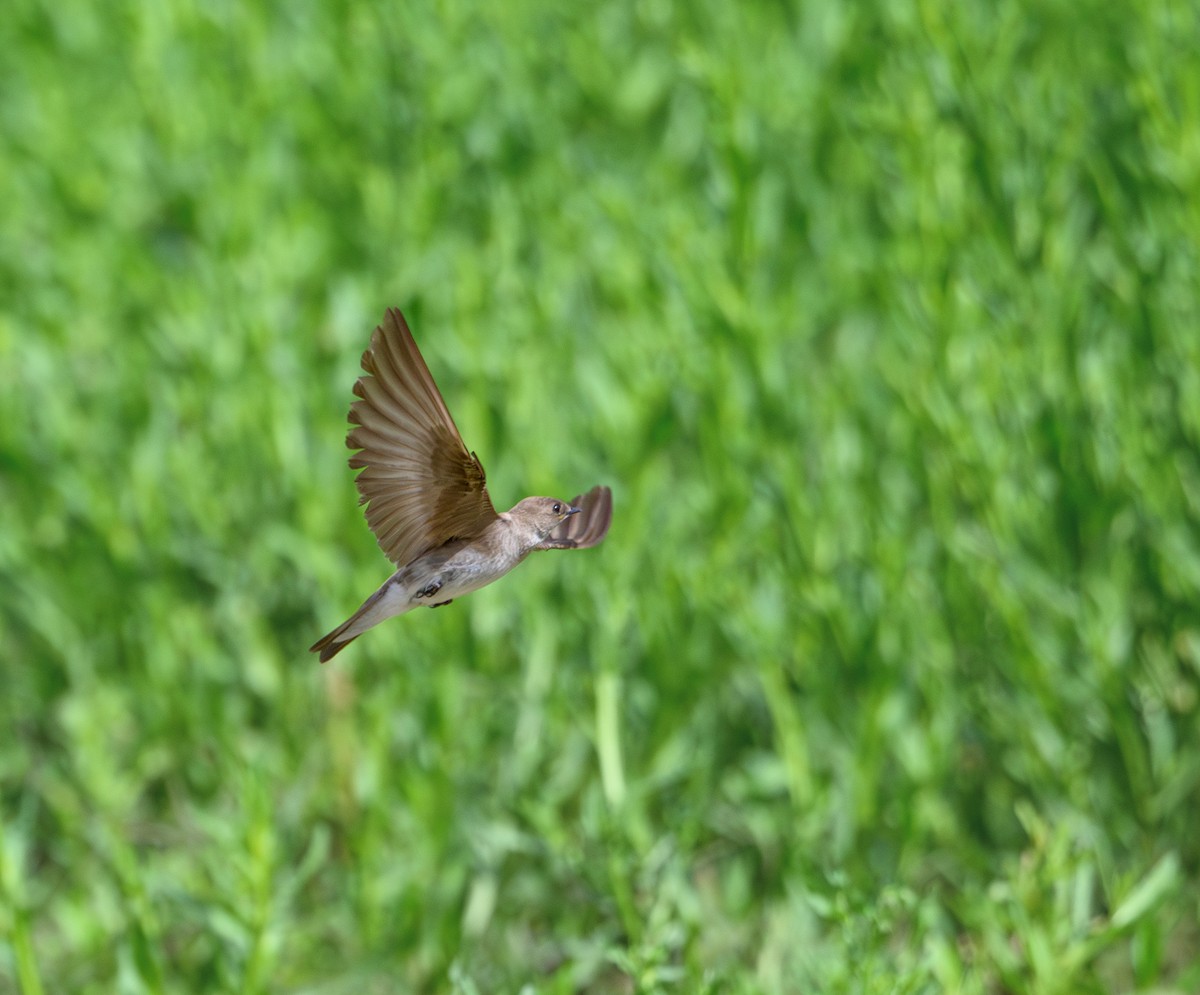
882	320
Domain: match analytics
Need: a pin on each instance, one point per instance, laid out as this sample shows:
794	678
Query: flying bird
426	494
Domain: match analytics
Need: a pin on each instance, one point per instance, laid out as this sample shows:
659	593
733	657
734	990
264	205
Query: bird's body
436	578
427	498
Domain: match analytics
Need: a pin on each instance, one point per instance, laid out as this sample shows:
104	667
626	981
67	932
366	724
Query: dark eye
557	508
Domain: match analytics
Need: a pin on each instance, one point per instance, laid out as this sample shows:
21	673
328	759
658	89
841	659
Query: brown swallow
426	494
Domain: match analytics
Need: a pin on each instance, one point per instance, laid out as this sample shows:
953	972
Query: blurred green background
881	320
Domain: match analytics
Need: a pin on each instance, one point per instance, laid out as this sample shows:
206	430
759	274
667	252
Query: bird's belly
455	584
462	573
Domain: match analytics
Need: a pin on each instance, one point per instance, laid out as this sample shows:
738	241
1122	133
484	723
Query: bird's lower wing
587	528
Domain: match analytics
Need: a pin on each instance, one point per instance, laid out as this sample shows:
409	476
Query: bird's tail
333	643
384	603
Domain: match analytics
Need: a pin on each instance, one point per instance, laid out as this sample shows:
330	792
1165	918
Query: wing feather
587	528
421	485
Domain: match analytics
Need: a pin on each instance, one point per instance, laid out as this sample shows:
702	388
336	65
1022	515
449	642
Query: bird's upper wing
421	485
588	527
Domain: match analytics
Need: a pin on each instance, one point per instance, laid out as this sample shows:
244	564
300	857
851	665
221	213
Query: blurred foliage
881	321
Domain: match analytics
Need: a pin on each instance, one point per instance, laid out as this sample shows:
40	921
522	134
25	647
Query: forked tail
373	611
328	646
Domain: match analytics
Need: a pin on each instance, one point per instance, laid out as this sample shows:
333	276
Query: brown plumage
426	493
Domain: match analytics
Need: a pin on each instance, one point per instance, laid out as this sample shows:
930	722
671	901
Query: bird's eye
557	508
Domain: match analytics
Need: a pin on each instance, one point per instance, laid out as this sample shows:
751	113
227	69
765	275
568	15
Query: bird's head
542	515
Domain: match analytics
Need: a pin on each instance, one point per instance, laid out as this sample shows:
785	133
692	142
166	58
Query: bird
426	494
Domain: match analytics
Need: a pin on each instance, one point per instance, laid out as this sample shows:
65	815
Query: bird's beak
572	511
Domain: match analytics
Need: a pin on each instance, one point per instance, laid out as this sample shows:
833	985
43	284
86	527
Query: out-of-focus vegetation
883	322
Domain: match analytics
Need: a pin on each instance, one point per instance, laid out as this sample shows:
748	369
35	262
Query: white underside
461	574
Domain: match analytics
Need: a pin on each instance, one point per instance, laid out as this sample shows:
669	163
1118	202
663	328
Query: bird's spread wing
421	485
588	527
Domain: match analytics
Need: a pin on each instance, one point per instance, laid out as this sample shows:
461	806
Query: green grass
881	320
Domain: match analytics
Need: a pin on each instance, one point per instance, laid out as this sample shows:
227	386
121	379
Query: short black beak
572	511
